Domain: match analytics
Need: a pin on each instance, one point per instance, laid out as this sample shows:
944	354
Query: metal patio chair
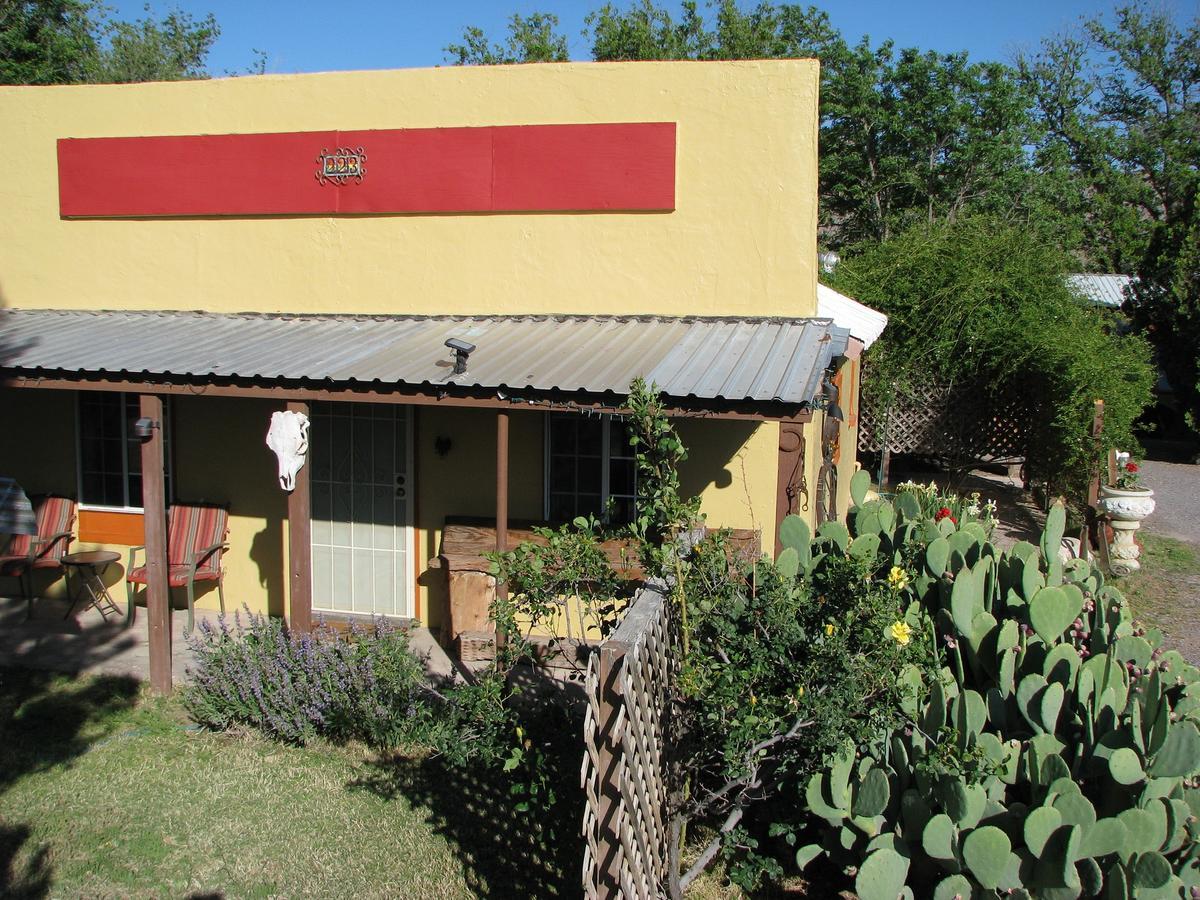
44	550
196	536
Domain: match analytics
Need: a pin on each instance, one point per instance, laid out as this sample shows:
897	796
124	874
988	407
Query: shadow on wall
220	457
267	554
712	445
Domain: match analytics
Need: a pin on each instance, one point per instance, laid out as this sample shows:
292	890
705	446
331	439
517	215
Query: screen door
361	502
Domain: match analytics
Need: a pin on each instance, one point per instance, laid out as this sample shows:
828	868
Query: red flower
945	513
1131	467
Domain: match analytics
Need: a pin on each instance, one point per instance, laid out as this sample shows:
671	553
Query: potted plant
1126	502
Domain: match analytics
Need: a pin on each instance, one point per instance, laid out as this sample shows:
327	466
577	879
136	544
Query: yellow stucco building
235	245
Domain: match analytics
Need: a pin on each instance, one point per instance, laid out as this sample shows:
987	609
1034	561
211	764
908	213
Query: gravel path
1177	498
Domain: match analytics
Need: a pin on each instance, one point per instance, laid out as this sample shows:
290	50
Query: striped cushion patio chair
196	536
44	550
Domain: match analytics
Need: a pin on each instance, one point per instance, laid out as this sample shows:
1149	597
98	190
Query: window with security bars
590	469
110	453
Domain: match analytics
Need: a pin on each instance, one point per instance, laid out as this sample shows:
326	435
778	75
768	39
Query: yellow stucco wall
742	240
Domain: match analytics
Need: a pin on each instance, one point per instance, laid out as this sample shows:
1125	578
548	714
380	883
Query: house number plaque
341	165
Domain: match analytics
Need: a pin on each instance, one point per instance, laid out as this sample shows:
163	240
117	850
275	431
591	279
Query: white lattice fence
624	773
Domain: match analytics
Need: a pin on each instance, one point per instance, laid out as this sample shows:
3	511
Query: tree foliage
1120	105
531	39
980	301
75	42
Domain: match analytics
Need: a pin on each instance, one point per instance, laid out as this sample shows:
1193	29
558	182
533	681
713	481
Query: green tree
174	48
531	38
983	301
1121	107
74	42
46	41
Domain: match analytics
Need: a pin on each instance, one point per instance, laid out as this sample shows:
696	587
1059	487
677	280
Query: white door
361	501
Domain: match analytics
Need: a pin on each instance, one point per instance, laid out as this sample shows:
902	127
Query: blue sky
303	36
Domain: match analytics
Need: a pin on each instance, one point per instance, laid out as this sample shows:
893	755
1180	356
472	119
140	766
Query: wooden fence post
1092	528
608	844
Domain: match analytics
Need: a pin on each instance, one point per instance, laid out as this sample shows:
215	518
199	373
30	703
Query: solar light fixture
461	351
144	427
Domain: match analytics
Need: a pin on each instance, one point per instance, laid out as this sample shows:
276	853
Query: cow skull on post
288	438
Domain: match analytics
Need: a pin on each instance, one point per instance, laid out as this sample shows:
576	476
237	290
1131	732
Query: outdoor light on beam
828	400
461	351
144	427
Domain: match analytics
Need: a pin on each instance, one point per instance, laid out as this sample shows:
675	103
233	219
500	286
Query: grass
107	792
1165	592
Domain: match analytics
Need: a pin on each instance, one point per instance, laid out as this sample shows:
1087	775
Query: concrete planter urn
1125	508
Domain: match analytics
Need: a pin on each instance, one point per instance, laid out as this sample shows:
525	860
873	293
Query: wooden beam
154	504
478	398
501	505
790	481
299	505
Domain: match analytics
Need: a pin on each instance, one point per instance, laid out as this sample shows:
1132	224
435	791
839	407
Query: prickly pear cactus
1057	752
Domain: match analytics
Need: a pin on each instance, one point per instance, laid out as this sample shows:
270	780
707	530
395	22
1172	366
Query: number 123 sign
341	165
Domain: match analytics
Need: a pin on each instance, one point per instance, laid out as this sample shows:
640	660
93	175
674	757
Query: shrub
1053	752
363	685
780	669
984	302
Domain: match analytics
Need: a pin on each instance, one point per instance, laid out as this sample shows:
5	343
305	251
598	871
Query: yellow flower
800	691
753	700
898	578
901	633
829	627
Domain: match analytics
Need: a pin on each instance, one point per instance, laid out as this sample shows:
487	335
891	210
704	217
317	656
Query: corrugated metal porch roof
746	359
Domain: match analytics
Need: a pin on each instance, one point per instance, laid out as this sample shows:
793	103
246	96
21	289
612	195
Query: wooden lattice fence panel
624	772
962	424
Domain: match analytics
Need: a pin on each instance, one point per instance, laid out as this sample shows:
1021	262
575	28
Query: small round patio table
89	567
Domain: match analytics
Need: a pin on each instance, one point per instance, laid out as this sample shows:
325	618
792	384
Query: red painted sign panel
521	168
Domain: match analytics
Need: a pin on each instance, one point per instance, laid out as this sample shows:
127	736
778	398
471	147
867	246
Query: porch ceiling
761	360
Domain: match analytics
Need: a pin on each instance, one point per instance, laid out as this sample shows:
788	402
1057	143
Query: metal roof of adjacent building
864	323
1101	290
755	359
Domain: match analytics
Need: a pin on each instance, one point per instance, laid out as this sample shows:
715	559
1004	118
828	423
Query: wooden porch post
154	505
501	504
300	542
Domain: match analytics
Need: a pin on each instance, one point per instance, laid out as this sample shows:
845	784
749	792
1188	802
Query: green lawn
106	792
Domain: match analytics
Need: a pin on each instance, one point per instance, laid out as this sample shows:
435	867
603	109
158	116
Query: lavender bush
364	685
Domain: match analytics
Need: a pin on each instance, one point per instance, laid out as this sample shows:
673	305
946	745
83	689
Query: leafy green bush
985	303
561	581
1054	752
780	671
